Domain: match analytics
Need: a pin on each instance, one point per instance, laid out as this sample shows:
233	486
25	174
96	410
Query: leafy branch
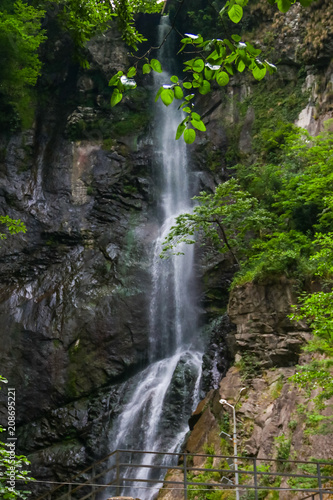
13	226
225	217
215	61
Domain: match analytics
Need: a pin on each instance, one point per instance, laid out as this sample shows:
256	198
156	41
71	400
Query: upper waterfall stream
166	392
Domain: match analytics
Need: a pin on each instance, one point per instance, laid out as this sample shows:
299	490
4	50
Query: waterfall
166	392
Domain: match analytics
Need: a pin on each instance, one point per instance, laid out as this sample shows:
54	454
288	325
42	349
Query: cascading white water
156	416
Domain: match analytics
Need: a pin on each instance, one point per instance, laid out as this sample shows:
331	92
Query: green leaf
198	65
208	73
180	130
198	77
179	94
189	135
228	67
120	87
199	40
189	63
252	50
146	69
114	80
160	90
131	72
116	97
222	78
229	44
245	57
271	67
182	48
187	109
284	5
156	65
305	3
213	57
195	116
240	66
167	96
187	85
232	57
199	124
259	73
185	41
236	38
174	79
204	87
235	13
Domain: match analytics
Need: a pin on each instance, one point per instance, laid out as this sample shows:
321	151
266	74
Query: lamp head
223	401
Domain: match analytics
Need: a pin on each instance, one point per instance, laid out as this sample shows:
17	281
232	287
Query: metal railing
312	496
117	472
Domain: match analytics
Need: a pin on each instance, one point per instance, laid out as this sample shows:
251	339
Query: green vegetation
272	481
317	310
267	218
248	366
12	470
22	33
12	226
312	470
283	449
292	424
275	218
205	492
20	37
277	387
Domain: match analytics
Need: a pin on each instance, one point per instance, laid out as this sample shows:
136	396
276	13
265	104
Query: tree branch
225	239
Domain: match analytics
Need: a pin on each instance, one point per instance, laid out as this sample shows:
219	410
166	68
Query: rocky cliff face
264	331
75	289
270	410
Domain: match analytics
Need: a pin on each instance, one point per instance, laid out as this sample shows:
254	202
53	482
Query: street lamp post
224	402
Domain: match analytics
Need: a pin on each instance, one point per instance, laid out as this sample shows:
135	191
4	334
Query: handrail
253	477
312	496
80	473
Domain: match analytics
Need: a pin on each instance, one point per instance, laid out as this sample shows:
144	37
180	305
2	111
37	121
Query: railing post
93	493
69	495
185	476
319	482
117	474
255	476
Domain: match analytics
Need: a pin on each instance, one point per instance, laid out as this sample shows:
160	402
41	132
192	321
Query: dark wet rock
219	352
